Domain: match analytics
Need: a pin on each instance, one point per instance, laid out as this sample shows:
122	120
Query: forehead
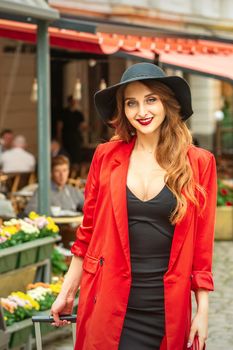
60	167
136	88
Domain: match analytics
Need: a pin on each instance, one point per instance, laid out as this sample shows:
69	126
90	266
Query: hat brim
105	100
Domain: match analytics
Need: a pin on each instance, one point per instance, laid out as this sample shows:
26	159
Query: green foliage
47	301
227	122
225	194
59	266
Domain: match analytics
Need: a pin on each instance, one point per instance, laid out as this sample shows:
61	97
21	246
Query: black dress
150	237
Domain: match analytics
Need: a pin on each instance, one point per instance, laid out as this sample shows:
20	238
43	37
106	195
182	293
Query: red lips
145	121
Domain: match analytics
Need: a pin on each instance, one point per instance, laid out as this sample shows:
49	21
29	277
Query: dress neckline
148	200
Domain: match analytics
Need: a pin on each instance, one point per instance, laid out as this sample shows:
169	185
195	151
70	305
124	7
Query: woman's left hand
199	327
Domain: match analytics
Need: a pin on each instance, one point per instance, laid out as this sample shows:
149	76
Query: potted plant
19	307
224	214
26	241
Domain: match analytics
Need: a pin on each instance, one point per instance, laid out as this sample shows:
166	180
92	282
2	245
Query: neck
147	143
60	187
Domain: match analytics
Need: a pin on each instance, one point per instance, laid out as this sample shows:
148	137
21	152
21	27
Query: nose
142	110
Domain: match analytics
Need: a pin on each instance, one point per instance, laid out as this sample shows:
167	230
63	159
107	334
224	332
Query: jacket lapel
118	180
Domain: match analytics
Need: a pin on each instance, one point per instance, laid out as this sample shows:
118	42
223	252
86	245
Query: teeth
145	120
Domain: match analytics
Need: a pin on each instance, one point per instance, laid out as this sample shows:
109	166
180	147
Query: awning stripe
200	55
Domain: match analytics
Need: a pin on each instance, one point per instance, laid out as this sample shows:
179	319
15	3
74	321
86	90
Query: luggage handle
49	319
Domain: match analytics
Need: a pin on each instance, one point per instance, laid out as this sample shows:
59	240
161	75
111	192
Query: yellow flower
55	288
33	303
9	230
33	215
51	225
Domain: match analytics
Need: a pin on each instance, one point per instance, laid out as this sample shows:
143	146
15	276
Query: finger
55	324
201	341
55	317
191	337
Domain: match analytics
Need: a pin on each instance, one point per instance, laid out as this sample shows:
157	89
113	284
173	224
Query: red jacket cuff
79	248
203	280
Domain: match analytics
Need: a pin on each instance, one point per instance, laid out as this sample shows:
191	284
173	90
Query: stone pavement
220	311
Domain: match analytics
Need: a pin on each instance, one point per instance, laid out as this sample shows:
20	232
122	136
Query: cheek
130	113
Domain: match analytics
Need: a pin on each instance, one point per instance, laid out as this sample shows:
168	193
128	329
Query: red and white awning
203	56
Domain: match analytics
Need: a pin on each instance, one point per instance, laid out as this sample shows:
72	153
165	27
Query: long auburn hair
172	147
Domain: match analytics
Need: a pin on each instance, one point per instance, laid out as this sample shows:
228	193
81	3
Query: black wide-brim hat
105	100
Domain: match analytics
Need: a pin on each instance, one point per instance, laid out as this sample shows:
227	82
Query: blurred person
62	195
69	130
6	139
57	149
17	159
147	235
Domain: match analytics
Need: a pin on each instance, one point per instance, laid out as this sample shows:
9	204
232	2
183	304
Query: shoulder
74	191
109	147
201	160
7	154
199	154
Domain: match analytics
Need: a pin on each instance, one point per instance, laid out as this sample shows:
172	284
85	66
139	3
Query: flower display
60	258
39	297
18	306
225	194
17	231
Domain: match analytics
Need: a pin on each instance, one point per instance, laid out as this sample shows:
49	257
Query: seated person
17	159
62	195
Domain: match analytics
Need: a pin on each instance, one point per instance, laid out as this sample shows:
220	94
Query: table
68	219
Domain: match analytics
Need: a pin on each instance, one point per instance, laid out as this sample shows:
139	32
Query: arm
84	232
203	251
79	198
32	204
65	300
202	280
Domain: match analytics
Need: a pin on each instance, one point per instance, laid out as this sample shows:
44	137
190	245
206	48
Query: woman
147	235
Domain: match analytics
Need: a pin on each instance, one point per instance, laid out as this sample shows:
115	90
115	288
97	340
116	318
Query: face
143	108
54	146
60	174
8	139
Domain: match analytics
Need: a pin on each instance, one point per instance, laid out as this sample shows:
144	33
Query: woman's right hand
61	306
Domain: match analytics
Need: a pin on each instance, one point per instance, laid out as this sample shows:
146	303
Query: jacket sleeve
84	231
203	250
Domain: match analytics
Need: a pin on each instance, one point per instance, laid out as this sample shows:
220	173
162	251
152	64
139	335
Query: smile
145	121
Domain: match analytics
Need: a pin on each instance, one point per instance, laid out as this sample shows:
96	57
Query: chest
145	177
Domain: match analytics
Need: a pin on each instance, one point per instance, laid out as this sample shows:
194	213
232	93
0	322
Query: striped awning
204	56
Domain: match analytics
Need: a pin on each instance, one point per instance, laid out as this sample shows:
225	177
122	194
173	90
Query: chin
147	131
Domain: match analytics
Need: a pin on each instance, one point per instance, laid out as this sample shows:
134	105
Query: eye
151	99
130	103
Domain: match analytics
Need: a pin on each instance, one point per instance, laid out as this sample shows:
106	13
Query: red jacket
102	240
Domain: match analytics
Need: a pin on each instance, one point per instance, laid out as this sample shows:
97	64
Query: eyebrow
133	98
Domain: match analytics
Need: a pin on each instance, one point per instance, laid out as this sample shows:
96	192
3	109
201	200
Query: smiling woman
147	232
